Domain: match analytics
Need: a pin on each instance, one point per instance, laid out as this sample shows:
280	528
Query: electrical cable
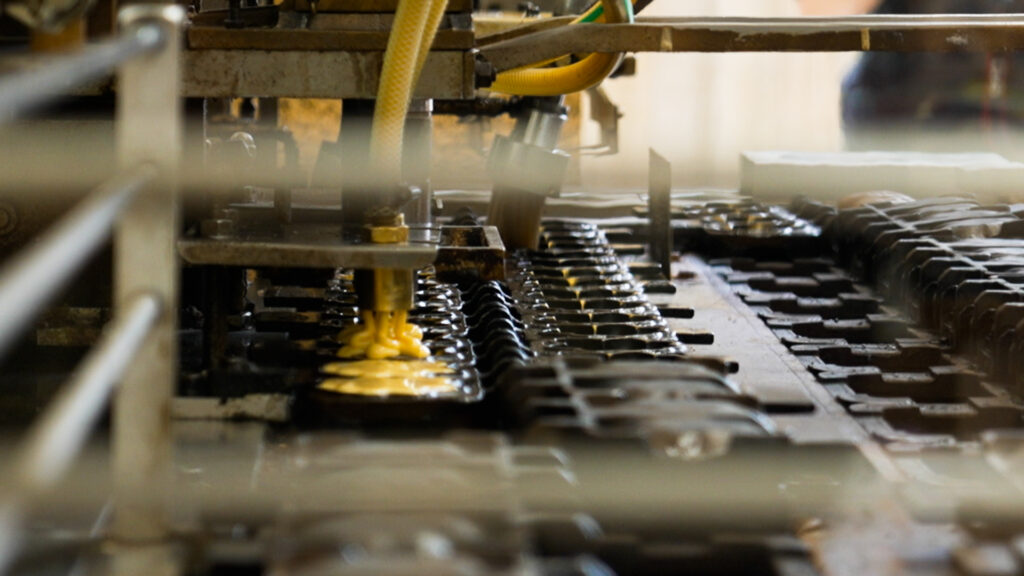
586	73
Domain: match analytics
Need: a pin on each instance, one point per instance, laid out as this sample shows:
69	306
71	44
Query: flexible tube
437	10
584	74
411	35
594	14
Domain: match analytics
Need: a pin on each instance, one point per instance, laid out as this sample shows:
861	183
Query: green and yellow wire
588	72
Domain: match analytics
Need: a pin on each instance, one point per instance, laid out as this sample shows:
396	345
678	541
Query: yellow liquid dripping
383	335
382	378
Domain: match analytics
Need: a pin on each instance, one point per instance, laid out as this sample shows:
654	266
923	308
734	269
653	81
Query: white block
829	176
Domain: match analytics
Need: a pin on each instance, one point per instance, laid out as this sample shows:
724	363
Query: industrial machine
303	359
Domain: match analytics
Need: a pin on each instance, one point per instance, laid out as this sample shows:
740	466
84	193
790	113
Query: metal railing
135	361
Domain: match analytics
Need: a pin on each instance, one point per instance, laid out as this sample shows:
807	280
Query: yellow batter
389	378
386	369
383	335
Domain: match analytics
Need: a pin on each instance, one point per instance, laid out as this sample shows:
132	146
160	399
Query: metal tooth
609	344
959	283
578	298
917	257
590	271
495	328
626	400
591	260
607	330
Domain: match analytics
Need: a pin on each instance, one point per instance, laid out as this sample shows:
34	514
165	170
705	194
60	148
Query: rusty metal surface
470	252
310	39
316	74
955	33
314	247
292	31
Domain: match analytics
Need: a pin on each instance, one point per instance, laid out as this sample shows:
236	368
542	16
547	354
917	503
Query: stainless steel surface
34	88
945	33
146	261
543	129
37	274
659	202
521	166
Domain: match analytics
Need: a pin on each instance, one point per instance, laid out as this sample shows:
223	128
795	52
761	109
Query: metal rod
941	33
37	274
57	437
150	128
659	205
26	91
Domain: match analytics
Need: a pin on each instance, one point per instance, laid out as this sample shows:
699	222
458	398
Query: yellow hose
437	9
581	75
411	35
584	74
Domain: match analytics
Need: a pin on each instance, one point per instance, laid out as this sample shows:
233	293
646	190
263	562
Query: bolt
484	72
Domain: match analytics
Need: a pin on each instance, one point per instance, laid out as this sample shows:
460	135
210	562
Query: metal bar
58	435
313	251
305	39
37	274
945	33
532	27
56	438
446	75
26	91
660	207
150	128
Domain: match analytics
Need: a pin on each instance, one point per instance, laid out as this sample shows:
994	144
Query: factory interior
493	287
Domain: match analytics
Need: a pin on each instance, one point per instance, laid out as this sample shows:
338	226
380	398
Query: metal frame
140	208
139	349
955	33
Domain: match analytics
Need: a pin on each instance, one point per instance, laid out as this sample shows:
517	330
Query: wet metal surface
578	298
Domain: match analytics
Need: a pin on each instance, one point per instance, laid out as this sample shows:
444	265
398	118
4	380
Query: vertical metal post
660	216
150	129
416	164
